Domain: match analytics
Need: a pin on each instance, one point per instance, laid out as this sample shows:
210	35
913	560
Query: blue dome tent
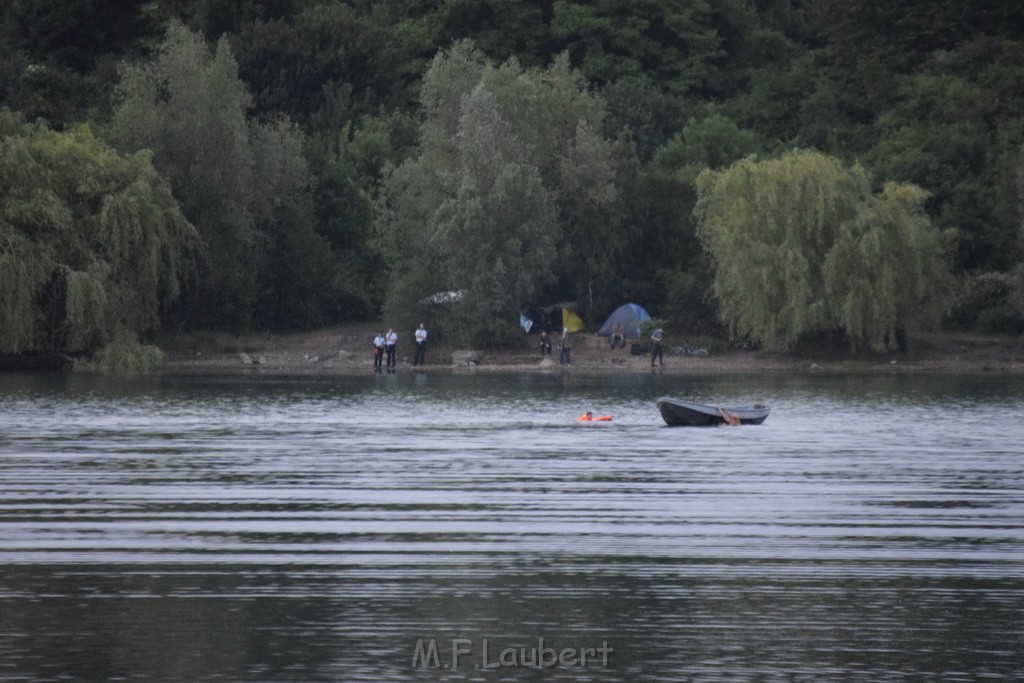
630	316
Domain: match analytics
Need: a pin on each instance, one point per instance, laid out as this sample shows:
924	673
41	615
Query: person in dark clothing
565	358
656	346
378	351
545	343
390	342
421	346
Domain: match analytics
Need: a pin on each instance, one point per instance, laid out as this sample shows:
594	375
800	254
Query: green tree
670	42
670	255
713	142
497	229
500	29
801	247
73	33
58	57
560	124
886	274
334	63
346	175
189	107
296	273
244	184
644	112
92	245
485	126
938	136
485	227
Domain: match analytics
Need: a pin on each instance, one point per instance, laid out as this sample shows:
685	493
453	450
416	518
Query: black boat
678	413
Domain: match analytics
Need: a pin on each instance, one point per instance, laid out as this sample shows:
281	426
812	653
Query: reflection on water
337	529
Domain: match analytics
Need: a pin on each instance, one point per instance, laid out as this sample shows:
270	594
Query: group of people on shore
617	337
385	347
564	345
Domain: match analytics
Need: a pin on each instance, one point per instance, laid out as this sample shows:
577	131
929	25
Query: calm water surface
257	528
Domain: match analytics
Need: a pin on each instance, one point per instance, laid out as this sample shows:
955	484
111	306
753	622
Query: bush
123	354
988	302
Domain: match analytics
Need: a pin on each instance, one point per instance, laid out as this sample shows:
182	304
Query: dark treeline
286	164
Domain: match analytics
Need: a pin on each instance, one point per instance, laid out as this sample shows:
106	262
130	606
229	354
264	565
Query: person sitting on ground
545	343
617	336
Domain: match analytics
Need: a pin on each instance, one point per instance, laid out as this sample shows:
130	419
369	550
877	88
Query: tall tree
886	275
500	29
671	42
939	136
500	220
333	63
511	164
189	107
670	256
243	184
58	57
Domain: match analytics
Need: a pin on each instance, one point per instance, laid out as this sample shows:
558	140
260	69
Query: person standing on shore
378	351
421	346
565	343
390	342
656	345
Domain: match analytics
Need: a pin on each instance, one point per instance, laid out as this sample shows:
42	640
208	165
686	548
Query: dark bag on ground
636	349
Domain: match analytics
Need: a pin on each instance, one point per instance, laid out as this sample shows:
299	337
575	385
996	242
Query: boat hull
678	413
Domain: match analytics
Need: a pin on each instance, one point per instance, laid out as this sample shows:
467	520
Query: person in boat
589	417
731	419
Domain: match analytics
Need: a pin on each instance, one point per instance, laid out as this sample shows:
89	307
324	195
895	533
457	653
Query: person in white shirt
421	346
378	351
390	342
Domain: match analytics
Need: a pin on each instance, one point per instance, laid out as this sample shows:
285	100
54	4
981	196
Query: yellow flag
571	321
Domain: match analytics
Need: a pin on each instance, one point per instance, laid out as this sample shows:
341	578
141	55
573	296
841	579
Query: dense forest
770	170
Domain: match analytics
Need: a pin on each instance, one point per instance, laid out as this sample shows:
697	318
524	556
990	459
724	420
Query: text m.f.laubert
425	655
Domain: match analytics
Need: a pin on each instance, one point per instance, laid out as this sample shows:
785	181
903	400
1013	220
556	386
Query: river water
463	527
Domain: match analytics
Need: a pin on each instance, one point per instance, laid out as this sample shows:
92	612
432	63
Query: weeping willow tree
92	244
801	246
886	276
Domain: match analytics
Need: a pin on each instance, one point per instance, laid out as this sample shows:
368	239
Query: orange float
590	417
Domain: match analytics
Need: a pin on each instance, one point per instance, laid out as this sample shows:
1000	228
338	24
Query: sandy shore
346	350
